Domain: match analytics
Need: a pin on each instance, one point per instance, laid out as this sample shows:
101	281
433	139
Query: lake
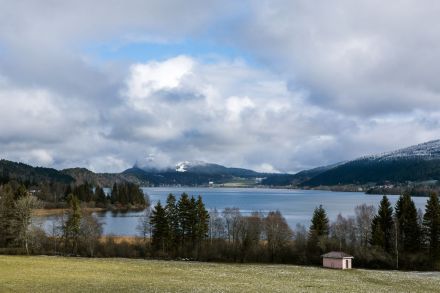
296	205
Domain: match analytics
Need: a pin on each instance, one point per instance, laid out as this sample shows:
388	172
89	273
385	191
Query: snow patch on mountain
428	151
186	165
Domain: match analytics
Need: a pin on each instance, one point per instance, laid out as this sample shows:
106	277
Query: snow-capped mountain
186	165
415	163
428	151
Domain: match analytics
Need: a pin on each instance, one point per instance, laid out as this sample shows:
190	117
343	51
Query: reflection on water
296	205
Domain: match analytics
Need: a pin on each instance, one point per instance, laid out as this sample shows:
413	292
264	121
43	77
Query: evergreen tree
72	226
100	196
160	227
320	223
172	215
202	225
192	220
382	226
318	234
114	196
409	229
8	231
431	226
84	192
185	217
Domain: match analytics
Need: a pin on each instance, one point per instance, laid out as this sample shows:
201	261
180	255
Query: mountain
31	175
415	163
195	173
82	175
209	168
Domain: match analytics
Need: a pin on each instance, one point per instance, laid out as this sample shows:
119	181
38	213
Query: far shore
59	211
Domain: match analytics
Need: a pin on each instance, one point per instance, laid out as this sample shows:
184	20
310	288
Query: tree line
122	195
390	237
402	237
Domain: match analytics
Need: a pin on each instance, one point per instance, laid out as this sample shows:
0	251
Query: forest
384	237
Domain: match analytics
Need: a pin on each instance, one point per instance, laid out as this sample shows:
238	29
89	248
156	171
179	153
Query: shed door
346	264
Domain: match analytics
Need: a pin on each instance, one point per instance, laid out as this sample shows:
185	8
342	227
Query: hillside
188	178
413	164
31	175
185	173
82	175
59	274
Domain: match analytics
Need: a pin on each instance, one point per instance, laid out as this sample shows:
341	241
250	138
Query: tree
23	215
364	218
172	215
185	214
7	216
407	220
216	225
343	230
72	226
160	227
202	221
382	226
144	224
278	233
431	226
232	218
318	234
320	223
100	196
90	232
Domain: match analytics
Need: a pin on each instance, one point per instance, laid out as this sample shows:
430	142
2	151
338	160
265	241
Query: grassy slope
57	274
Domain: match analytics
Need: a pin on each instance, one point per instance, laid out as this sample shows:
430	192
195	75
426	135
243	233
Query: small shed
337	260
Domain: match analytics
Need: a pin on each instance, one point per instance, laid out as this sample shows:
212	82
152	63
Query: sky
274	86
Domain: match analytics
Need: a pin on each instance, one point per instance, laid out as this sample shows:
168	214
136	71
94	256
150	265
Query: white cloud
325	81
358	57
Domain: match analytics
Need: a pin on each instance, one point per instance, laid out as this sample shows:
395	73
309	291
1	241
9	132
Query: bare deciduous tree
90	232
364	217
23	215
278	233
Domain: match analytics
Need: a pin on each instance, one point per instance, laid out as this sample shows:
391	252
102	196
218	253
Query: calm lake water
296	205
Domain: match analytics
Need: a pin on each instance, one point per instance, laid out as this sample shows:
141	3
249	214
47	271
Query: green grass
58	274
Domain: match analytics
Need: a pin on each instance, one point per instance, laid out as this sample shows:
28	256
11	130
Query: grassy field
57	274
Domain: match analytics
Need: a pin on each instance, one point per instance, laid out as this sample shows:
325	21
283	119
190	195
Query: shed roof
336	254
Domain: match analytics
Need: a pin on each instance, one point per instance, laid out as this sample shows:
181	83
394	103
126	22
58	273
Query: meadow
60	274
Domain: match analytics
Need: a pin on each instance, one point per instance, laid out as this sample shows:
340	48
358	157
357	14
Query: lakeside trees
183	228
382	226
431	227
16	207
180	225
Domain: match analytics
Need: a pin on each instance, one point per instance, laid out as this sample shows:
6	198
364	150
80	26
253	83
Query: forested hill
31	175
416	163
83	175
185	174
365	171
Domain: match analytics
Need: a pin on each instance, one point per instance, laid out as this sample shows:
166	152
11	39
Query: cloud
320	82
364	57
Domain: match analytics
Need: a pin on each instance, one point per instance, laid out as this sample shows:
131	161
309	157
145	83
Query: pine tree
431	226
202	225
382	226
100	196
160	227
192	220
172	215
318	234
114	197
409	230
8	232
320	226
185	217
72	225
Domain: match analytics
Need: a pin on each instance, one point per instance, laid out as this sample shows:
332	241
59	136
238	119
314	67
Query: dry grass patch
55	274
